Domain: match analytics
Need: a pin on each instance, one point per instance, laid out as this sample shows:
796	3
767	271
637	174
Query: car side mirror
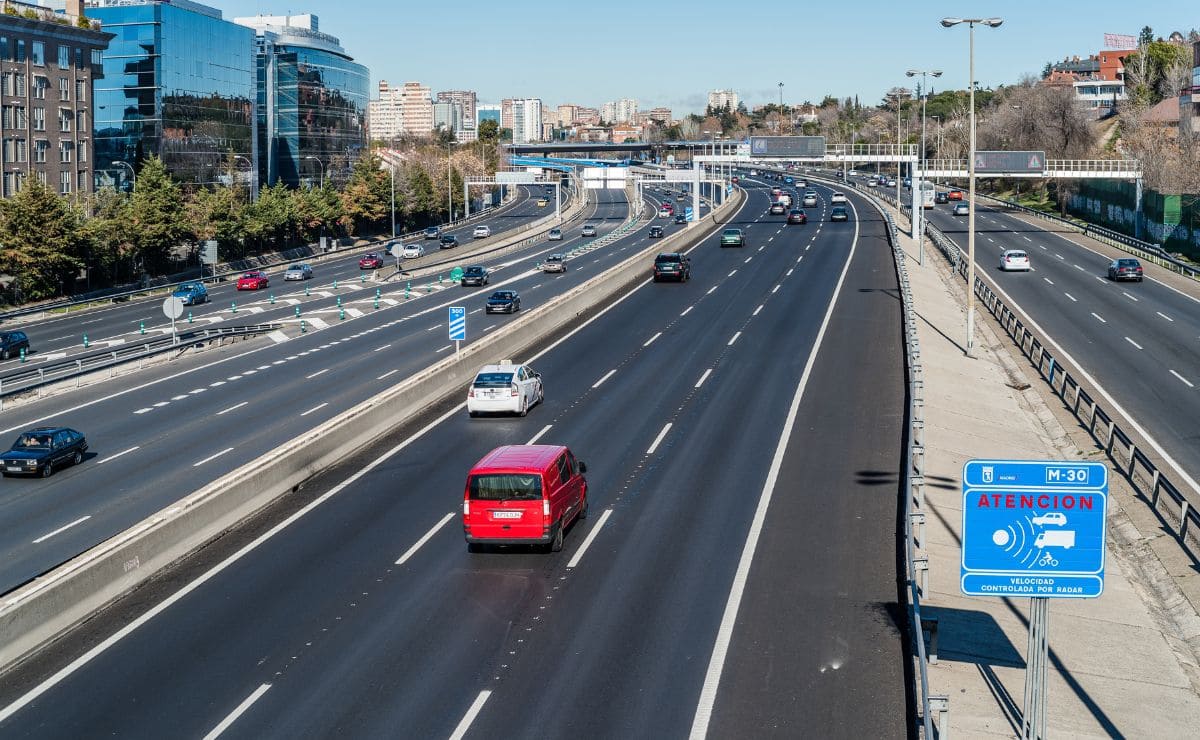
582	467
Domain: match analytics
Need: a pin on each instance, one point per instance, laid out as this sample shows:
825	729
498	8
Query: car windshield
493	380
32	442
250	275
667	258
295	268
473	271
501	295
554	258
1017	255
187	287
506	487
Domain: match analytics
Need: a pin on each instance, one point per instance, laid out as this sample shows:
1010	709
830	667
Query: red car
668	208
370	261
253	280
954	195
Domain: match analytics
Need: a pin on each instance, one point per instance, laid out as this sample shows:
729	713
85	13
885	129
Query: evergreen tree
156	211
366	200
42	240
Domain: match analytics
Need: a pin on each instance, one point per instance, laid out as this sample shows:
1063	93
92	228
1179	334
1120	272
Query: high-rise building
722	98
312	100
487	113
506	113
448	115
383	113
179	83
587	116
660	115
416	109
619	111
527	120
48	136
467	100
566	115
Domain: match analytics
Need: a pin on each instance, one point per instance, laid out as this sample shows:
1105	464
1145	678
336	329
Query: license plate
506	515
14	469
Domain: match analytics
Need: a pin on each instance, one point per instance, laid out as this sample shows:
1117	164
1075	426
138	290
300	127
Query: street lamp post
971	22
132	173
253	176
918	185
322	164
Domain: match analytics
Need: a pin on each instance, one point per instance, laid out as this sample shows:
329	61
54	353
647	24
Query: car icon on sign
1057	518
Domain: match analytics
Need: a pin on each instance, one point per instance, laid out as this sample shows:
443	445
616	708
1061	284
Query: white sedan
481	232
412	251
505	388
1015	259
837	198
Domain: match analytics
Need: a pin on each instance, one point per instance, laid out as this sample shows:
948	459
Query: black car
475	275
1126	268
12	342
432	232
839	213
941	197
449	241
503	301
680	218
656	232
672	266
39	451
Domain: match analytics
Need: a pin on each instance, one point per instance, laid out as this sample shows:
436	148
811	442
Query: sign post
1034	528
458	326
172	308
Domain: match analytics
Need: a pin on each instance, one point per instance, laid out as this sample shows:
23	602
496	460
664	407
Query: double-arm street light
918	184
971	23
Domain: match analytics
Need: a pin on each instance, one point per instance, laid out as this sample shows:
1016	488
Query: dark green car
733	238
839	213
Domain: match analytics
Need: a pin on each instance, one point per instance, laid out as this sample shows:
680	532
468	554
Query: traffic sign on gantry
1033	528
988	163
787	146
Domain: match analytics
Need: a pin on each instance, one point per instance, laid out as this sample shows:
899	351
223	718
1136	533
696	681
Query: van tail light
513	391
546	510
467	509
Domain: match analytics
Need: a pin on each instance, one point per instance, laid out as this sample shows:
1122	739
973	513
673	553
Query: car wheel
541	394
77	458
556	542
524	408
47	470
5	354
474	547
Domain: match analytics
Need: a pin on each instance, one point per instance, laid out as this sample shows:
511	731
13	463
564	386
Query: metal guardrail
32	378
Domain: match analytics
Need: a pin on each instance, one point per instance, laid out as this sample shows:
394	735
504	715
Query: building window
83	147
78	57
10	184
39	119
81	121
64	119
8	116
19	51
64	56
40	84
37	53
4	48
81	90
65	148
40	147
19	78
15	150
83	181
19	119
64	181
41	176
64	88
96	58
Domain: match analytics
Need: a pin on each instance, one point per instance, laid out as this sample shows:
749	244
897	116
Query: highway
161	433
742	433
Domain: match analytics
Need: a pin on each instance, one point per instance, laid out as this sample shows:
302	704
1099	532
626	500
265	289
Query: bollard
407	288
429	288
22	354
306	293
341	314
85	341
339	301
335	283
439	279
362	277
141	327
272	297
297	312
376	302
303	326
378	292
189	317
233	308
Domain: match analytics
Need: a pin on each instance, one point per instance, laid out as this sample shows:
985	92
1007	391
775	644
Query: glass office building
179	83
312	102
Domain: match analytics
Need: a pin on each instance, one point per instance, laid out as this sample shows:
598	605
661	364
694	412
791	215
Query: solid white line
538	436
1168	318
1068	295
469	717
1048	280
757	310
733	339
122	452
605	377
716	663
314	408
231	408
61	529
1185	380
439	350
703	377
1135	344
587	541
238	712
210	458
424	538
389	372
1077	267
1099	317
651	339
658	440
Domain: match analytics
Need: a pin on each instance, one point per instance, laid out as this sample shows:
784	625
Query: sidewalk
1120	665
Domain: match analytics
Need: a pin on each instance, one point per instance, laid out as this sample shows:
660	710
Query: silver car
299	271
412	251
555	235
554	263
588	230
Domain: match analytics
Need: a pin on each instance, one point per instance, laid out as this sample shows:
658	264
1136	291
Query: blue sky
671	53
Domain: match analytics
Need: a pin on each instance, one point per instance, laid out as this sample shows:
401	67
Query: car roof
508	457
502	367
47	430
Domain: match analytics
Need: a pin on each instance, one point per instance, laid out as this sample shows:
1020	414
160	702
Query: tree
420	201
316	210
43	243
155	211
108	235
217	213
366	198
272	217
489	130
1145	37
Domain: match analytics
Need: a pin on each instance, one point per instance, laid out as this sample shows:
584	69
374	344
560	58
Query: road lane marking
389	372
1077	267
115	456
442	349
538	436
1068	295
1135	344
424	538
1168	318
65	527
732	273
465	723
237	712
231	408
1048	280
651	339
605	377
144	410
1099	317
160	404
210	458
733	339
314	408
703	377
775	289
380	349
687	310
710	290
757	310
1060	257
1130	297
319	372
1027	239
789	272
1185	380
658	440
179	397
748	260
587	541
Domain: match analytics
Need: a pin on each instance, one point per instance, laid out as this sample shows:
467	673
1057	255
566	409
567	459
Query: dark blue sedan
503	301
39	451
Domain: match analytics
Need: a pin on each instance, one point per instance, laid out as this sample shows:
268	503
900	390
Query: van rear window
506	487
493	380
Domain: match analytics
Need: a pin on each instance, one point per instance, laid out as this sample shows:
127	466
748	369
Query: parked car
588	230
733	238
1014	259
555	235
554	263
503	301
839	213
941	197
370	261
253	280
672	266
12	342
298	271
191	294
39	451
1126	268
961	209
449	241
413	251
524	495
656	232
481	232
797	216
432	232
504	388
475	275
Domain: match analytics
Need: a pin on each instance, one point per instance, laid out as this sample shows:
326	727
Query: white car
810	201
837	198
554	263
481	232
298	271
872	182
505	388
664	213
1015	259
1056	518
587	230
412	251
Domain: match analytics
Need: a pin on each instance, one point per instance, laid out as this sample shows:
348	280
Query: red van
523	495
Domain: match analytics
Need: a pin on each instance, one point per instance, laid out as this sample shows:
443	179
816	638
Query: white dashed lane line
1135	344
1099	317
1068	295
389	372
604	377
710	290
61	529
651	339
314	408
119	454
1048	280
658	440
232	408
703	377
1185	380
1168	318
319	372
210	458
733	339
1130	297
757	310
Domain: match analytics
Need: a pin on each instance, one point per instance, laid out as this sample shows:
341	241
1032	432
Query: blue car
503	301
191	293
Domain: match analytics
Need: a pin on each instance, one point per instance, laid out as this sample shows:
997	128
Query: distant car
298	271
664	213
962	209
801	183
853	173
449	241
837	198
190	293
672	266
1057	518
543	202
872	182
370	261
588	230
432	232
681	218
505	388
809	201
475	275
733	238
12	342
555	235
797	216
839	213
891	182
413	251
776	190
253	280
1125	269
778	209
941	197
734	180
1014	259
481	232
39	451
656	232
503	301
681	197
554	263
955	195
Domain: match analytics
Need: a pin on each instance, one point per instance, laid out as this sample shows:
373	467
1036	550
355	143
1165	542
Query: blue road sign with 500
458	323
1034	528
